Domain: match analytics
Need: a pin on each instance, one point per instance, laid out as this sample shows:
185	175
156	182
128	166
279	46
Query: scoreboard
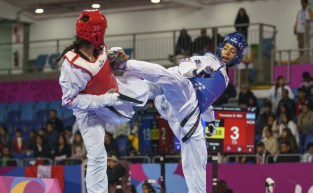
235	130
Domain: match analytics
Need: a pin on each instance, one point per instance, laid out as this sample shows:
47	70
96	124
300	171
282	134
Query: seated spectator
307	81
303	99
288	102
308	156
4	136
270	142
244	95
275	93
261	122
289	123
230	92
147	188
51	135
284	154
6	158
62	151
290	138
18	144
184	44
31	143
261	153
42	150
54	120
110	143
118	175
69	135
305	120
201	43
222	187
78	147
272	125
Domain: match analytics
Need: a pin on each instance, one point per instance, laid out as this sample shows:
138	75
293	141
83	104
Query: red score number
235	133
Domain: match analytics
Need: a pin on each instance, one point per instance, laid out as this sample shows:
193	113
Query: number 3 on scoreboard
235	133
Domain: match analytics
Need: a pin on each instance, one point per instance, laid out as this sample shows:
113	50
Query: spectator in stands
299	28
303	98
62	150
270	142
31	143
201	43
69	135
246	68
275	93
54	120
307	82
78	147
308	156
290	138
51	135
230	92
242	22
222	187
244	95
184	44
261	153
42	150
272	125
147	188
284	156
4	136
110	143
6	159
262	120
18	144
289	123
118	175
289	103
305	120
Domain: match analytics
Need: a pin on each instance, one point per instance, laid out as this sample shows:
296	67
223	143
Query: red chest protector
102	78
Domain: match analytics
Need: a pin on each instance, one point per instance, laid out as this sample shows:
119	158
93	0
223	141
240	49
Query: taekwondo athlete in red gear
92	92
179	100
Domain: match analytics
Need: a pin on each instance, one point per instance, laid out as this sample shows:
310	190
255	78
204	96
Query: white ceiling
72	7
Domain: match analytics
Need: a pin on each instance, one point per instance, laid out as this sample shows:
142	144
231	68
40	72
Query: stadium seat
23	126
66	113
51	61
27	111
128	51
36	125
13	116
40	61
69	121
2	109
13	107
41	116
308	139
41	105
56	105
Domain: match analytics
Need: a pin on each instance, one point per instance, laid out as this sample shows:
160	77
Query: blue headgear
239	41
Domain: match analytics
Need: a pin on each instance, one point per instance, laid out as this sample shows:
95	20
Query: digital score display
235	130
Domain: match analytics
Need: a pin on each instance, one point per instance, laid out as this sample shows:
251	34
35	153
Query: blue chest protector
208	90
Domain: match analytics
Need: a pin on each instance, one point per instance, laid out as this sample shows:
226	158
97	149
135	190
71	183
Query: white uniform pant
176	99
92	129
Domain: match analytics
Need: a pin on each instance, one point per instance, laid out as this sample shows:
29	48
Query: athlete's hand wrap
212	129
118	58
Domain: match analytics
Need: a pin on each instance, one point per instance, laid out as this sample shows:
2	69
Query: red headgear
91	26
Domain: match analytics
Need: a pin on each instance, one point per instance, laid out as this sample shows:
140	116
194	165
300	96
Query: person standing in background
299	28
242	22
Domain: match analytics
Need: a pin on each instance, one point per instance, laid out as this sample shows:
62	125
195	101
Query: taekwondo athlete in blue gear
210	83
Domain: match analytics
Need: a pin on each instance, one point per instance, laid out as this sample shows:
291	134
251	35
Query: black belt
194	127
129	99
111	108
